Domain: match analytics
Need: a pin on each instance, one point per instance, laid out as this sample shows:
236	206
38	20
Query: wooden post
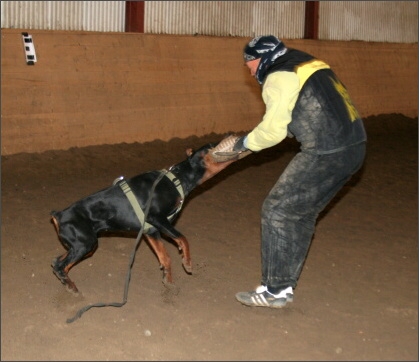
134	16
311	26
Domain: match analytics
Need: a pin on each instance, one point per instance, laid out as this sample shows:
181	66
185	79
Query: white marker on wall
29	49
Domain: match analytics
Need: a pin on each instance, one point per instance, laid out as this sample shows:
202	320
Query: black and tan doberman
149	202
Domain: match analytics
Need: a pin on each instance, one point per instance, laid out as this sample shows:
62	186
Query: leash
128	277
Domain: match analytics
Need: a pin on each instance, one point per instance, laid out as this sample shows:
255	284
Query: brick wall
104	88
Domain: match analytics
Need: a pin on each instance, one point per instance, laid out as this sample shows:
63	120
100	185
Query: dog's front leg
164	258
183	245
165	227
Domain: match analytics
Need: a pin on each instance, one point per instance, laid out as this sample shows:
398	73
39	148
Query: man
304	99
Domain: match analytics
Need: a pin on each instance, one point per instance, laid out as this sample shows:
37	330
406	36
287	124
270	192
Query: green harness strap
136	206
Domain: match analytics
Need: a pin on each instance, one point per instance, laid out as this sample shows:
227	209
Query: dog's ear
189	152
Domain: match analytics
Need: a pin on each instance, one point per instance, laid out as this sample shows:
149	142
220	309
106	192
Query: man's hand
239	145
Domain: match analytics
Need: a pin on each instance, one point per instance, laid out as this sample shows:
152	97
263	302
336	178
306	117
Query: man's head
261	45
260	48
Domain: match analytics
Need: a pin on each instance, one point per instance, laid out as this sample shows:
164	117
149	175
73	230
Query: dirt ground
357	298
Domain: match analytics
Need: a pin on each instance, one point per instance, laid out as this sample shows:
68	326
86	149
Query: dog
149	202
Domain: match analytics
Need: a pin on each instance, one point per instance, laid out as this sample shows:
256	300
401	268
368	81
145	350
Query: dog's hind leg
62	265
79	248
62	274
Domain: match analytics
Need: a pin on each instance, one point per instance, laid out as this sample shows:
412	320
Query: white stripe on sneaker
259	299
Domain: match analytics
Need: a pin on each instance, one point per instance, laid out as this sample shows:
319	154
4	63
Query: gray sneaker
262	298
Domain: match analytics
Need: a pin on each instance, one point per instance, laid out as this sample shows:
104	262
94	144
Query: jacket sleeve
280	92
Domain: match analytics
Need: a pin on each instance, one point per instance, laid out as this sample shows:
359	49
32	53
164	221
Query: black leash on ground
128	277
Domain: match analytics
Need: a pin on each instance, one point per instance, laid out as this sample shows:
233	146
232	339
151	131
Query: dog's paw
64	279
187	265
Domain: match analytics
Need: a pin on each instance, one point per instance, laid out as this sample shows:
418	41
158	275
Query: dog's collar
175	181
170	176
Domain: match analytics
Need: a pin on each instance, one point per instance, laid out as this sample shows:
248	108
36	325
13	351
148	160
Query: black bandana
266	61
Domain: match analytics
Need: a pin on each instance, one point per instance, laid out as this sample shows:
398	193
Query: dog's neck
188	179
176	182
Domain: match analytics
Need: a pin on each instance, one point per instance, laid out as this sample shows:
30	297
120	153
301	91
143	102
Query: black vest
324	119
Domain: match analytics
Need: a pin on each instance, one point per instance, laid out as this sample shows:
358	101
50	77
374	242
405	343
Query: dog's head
203	163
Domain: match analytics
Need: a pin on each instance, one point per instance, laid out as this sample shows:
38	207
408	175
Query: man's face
253	66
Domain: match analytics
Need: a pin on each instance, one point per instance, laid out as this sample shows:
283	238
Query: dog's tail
54	220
